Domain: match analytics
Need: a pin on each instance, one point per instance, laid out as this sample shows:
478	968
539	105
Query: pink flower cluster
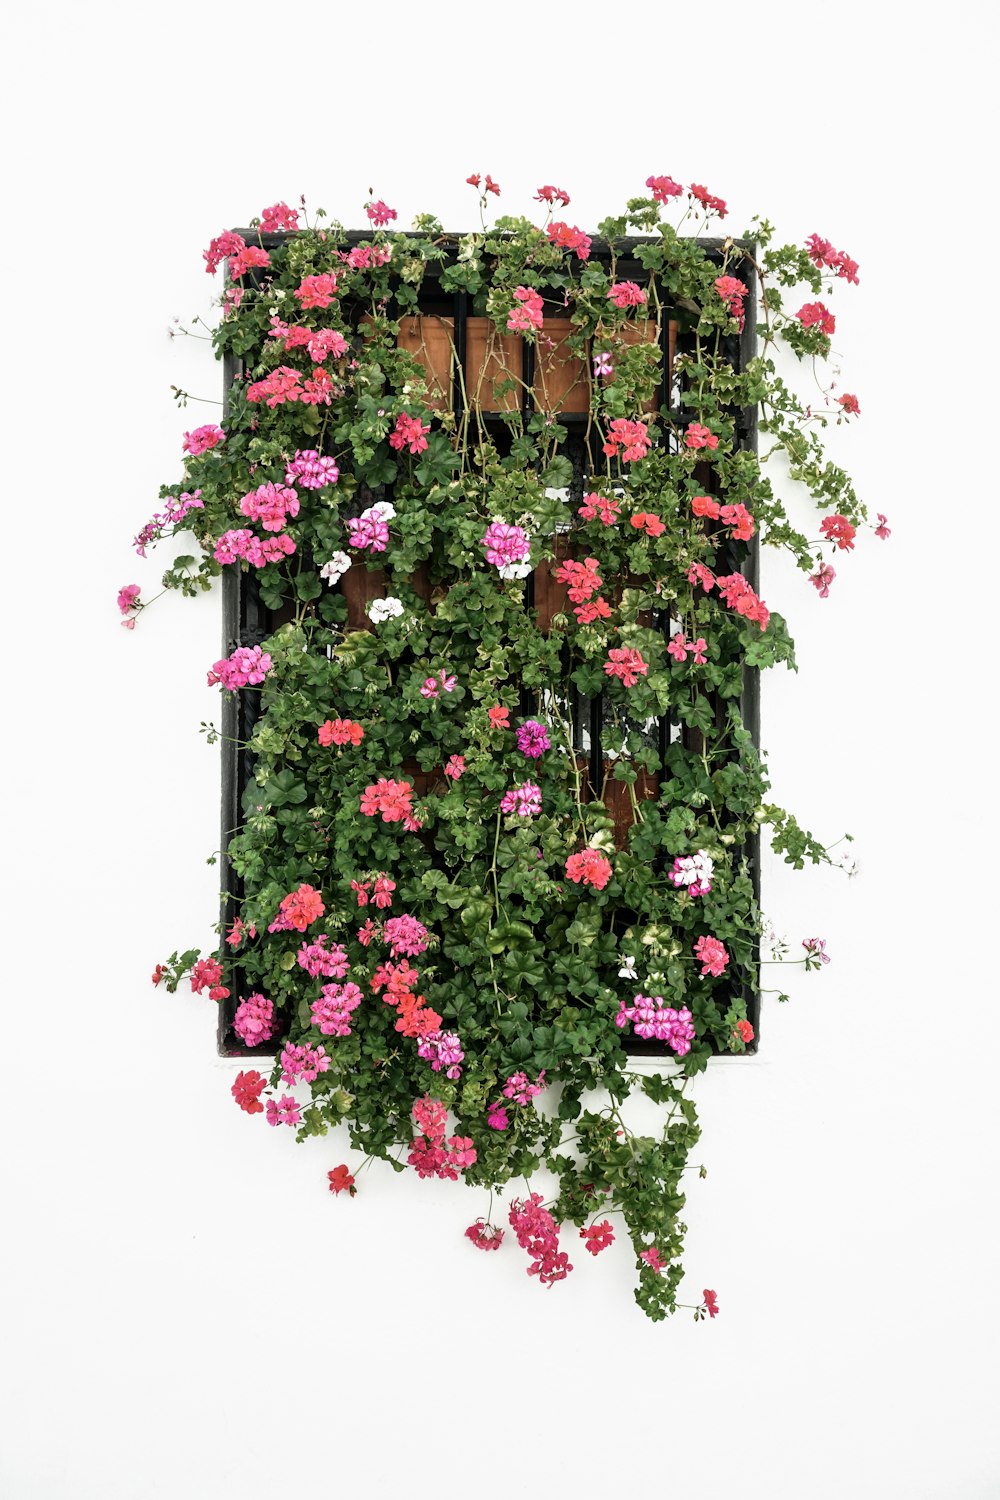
627	294
708	202
283	1111
409	433
694	872
254	1020
523	801
380	213
552	195
431	1155
822	579
203	438
256	551
679	646
340	732
736	516
626	664
568	237
382	894
521	1090
589	867
207	974
484	1236
221	248
332	1012
392	799
317	958
600	508
319	343
246	259
822	253
316	291
271	505
732	291
663	188
405	934
287	385
630	438
653	1020
434	686
279	217
443	1050
128	604
537	1233
246	667
505	544
699	436
816	315
532	739
311	471
598	1237
302	1064
298	910
839	529
176	509
369	530
741	597
529	314
364	257
712	956
455	767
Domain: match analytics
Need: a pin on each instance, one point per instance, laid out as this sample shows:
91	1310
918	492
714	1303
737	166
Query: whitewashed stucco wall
185	1310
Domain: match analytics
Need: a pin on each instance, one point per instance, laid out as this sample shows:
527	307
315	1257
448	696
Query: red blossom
247	1090
158	973
341	1180
598	1236
711	1303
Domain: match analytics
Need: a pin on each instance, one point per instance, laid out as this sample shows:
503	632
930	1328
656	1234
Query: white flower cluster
335	568
380	610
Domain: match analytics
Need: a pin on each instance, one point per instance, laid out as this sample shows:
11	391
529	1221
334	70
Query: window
502	384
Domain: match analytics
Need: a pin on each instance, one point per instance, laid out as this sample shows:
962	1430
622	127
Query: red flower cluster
247	1091
484	1236
644	520
297	910
393	799
409	433
663	188
822	253
598	1236
589	867
707	201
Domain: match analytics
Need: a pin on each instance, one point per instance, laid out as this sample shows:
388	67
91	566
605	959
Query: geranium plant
439	933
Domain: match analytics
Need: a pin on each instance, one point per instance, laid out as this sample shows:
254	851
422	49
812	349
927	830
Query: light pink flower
712	956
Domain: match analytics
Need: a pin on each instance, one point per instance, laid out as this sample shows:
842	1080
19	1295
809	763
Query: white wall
186	1310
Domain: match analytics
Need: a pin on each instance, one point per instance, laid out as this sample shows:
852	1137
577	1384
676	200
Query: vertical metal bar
460	308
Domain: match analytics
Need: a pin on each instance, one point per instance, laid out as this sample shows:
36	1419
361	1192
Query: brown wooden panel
430	339
490	359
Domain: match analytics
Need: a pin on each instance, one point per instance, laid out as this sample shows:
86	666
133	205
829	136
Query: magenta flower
283	1111
497	1117
505	544
523	801
254	1020
203	438
532	739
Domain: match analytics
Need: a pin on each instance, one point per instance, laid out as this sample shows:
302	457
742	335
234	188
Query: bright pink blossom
822	579
839	529
522	801
443	1050
882	531
538	1234
712	956
298	910
283	1111
380	213
205	974
627	294
317	958
505	544
223	246
600	508
707	201
302	1064
552	195
254	1020
496	1117
653	1258
849	404
741	597
732	291
279	217
816	315
392	799
455	767
711	1303
405	934
484	1236
626	664
677	646
340	732
271	505
630	438
521	1090
528	315
598	1236
532	739
310	471
127	598
368	530
247	259
203	438
693	872
246	667
698	436
654	1021
664	188
331	1012
698	574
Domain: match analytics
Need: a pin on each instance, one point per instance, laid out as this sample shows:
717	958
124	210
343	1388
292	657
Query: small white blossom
515	570
335	568
380	610
627	970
